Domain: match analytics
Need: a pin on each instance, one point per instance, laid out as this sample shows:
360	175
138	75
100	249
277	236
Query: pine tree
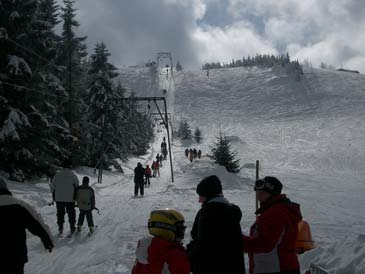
101	112
222	155
178	66
28	142
197	135
72	54
184	130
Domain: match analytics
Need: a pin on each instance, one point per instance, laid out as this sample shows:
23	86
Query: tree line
56	103
261	60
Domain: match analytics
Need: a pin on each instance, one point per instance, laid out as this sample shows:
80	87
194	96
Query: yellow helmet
167	224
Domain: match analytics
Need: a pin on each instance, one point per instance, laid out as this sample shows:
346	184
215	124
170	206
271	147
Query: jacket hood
284	202
233	210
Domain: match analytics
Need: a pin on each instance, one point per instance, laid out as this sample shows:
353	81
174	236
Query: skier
191	155
163	252
138	180
147	175
153	166
271	244
195	153
85	198
164	152
17	217
187	153
63	188
199	154
159	159
216	245
156	168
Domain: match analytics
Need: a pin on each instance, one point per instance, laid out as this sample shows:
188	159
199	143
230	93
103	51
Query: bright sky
195	31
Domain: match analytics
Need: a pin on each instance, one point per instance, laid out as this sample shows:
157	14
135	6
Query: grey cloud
134	31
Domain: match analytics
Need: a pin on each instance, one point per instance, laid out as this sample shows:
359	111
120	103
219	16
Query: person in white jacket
63	187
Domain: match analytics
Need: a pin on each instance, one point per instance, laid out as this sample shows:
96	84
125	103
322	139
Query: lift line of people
217	243
142	175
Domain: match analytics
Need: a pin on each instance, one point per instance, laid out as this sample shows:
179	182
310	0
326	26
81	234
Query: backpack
304	241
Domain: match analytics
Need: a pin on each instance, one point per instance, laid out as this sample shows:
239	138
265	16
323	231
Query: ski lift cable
40	92
32	52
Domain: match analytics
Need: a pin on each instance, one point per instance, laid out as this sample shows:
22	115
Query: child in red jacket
163	253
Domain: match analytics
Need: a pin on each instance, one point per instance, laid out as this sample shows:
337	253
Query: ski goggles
262	184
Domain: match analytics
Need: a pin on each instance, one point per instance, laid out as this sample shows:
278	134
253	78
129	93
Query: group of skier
142	175
67	194
20	216
192	154
217	244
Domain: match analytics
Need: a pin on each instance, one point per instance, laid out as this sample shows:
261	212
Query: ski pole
97	209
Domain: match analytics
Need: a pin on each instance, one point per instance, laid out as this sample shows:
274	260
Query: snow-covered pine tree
184	130
101	113
222	155
27	139
72	56
178	66
198	135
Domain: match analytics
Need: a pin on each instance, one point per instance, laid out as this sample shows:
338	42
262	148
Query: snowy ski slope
309	134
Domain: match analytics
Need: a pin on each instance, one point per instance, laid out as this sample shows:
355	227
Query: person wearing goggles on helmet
163	252
271	244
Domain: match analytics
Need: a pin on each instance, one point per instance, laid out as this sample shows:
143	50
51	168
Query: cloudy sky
195	31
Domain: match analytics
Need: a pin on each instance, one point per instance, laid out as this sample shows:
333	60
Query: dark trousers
89	218
62	208
147	181
140	187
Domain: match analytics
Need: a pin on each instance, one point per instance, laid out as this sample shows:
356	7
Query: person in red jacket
147	175
271	244
163	253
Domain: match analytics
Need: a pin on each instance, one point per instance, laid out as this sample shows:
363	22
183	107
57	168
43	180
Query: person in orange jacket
271	244
163	252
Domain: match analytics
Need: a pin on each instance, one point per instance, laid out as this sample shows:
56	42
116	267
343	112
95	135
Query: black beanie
209	187
269	184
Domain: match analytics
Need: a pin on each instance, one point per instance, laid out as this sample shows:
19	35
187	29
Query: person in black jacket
16	217
139	173
216	245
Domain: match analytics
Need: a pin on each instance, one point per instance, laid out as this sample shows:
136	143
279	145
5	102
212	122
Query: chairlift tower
165	55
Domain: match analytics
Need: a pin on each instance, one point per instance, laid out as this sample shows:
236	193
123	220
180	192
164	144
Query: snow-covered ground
309	134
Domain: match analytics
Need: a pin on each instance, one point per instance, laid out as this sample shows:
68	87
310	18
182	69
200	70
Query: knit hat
3	184
209	187
269	184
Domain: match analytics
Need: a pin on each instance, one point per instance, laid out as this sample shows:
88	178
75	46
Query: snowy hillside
309	134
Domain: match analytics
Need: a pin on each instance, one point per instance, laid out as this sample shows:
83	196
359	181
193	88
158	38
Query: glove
49	246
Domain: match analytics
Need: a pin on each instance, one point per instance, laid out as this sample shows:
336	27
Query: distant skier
187	153
164	148
16	218
191	155
159	159
85	199
139	180
163	252
199	154
156	169
147	176
195	153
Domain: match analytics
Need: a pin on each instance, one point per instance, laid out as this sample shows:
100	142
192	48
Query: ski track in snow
309	134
